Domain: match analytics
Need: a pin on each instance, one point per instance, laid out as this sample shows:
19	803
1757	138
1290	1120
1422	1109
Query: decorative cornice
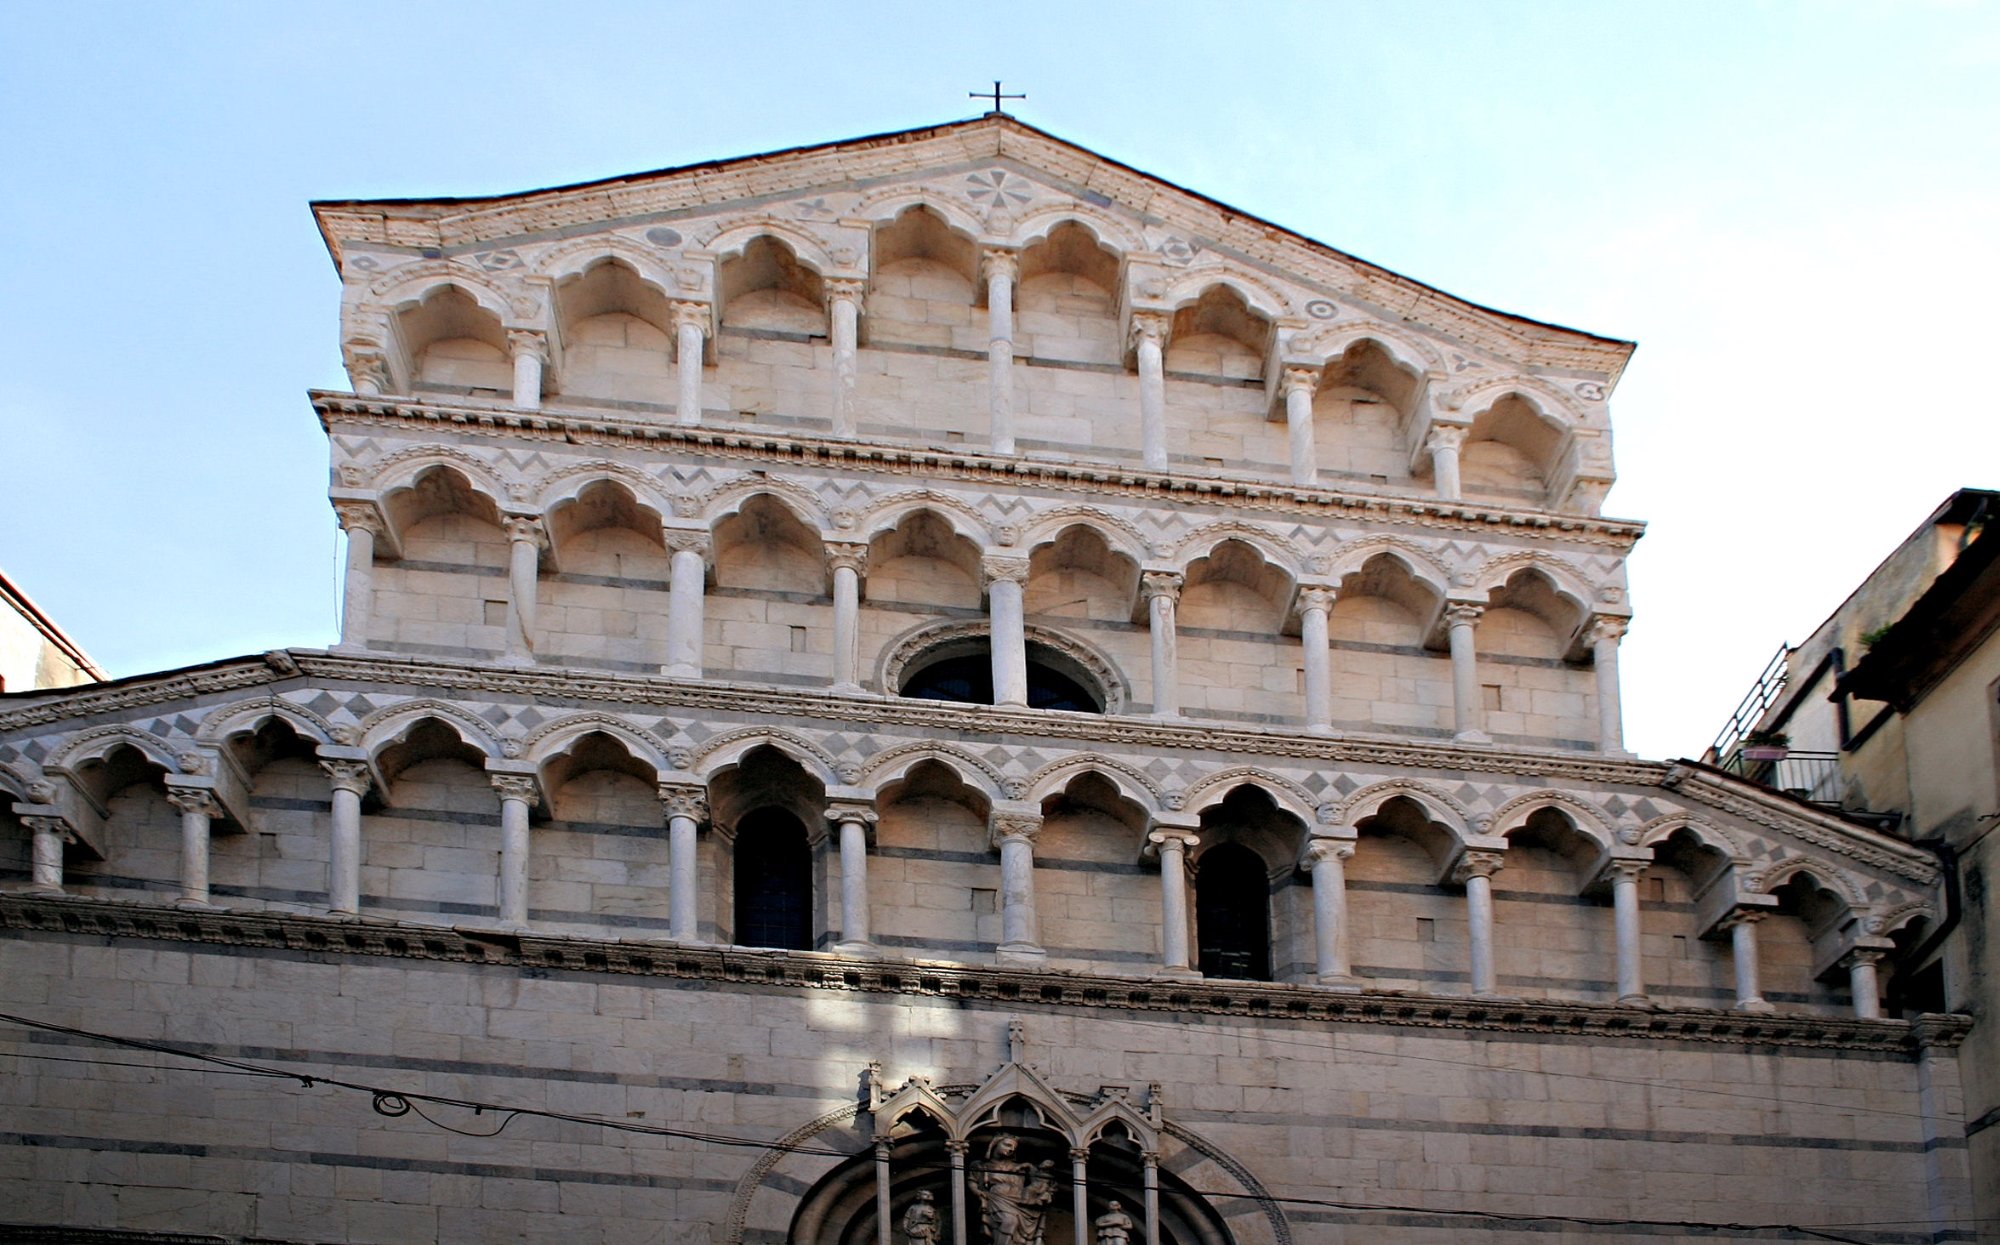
76	916
803	450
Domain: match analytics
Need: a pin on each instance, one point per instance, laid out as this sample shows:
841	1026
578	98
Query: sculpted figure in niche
1014	1194
1114	1226
920	1221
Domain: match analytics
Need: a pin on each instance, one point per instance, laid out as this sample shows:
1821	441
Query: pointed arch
1131	785
1568	582
886	769
568	484
1437	804
1549	404
731	496
1836	882
887	513
726	752
882	206
1422	565
401	471
402	287
807	249
1589	821
1106	228
1119	533
94	744
551	739
574	258
1708	834
244	719
1213	789
385	727
1202	541
1405	350
1264	299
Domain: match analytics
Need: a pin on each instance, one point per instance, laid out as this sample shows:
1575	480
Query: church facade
941	688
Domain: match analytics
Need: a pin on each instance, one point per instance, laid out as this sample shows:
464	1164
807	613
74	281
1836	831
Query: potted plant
1766	746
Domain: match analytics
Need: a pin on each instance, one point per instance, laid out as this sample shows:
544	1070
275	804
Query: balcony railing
1809	776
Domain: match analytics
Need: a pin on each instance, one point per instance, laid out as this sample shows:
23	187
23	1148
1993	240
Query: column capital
531	342
194	800
993	568
1001	827
851	555
526	528
1463	613
1609	627
683	800
682	312
1151	326
1318	597
1863	955
1477	864
516	787
1318	849
840	811
1740	916
360	516
349	776
366	364
999	261
1171	839
1161	584
1299	377
57	826
1626	869
957	1147
844	290
1444	437
686	540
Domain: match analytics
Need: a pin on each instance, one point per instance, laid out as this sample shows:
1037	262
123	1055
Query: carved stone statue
920	1221
1014	1194
1114	1226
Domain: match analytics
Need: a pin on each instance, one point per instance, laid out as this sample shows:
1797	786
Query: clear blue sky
1794	208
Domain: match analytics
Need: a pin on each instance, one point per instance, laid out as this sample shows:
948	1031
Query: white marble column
530	350
1014	835
525	540
1173	847
853	821
1299	385
1475	871
1443	443
686	808
883	1190
1006	581
363	524
1467	717
1162	592
1149	343
1742	925
843	301
1605	633
1314	606
198	808
49	836
1151	1158
367	368
1079	1193
999	267
349	780
1326	858
686	585
956	1148
517	796
690	320
1864	983
849	561
1625	876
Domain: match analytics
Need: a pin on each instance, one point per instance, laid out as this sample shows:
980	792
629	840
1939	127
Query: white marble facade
955	570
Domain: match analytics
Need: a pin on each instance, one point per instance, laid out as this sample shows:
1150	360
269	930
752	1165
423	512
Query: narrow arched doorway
1233	914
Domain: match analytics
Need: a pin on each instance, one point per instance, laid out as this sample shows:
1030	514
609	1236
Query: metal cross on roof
995	95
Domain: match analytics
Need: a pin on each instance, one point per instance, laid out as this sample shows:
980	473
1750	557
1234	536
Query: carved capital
681	800
194	800
682	312
359	516
839	811
1740	916
1149	326
525	528
845	290
1320	599
1001	262
1161	584
1327	849
1022	826
996	569
1299	379
1173	842
366	364
1608	627
348	776
847	555
1464	615
1477	865
686	540
50	825
530	342
515	787
1627	870
1444	437
1864	955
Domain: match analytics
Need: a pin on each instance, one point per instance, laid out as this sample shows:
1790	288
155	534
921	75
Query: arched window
1232	914
774	891
962	671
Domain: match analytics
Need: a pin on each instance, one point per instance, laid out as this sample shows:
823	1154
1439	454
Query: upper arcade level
984	287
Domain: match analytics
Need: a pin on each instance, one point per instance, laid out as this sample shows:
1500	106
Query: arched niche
923	562
617	335
1066	298
445	527
764	545
607	605
429	853
139	839
1078	575
766	287
454	344
1246	916
1219	335
281	863
931	841
1360	411
770	812
1408	932
1797	960
1536	688
1681	967
921	289
1511	453
1551	938
1231	621
600	860
1382	618
1095	906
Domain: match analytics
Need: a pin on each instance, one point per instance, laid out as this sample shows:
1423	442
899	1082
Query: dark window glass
773	882
1232	916
969	680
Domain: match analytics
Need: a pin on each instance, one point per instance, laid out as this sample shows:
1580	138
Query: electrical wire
395	1104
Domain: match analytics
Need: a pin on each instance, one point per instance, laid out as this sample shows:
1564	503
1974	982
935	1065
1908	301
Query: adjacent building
939	687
